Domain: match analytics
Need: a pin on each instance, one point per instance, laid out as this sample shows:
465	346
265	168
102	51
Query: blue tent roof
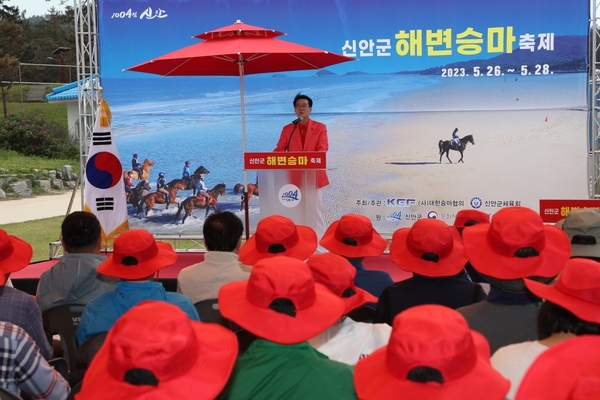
65	92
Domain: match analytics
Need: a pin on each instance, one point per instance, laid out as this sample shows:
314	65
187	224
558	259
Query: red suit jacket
316	140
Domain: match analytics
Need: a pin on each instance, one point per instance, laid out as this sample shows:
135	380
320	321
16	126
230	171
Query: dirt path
39	207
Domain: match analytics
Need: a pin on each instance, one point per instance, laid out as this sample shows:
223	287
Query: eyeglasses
301	106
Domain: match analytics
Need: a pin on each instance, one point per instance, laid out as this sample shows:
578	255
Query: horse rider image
201	189
187	175
162	187
455	139
128	185
136	166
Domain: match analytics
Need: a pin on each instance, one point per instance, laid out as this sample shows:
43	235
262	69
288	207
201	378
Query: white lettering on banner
496	70
527	42
148	13
440	42
546	41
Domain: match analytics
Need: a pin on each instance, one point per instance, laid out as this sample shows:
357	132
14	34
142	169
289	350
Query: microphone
295	122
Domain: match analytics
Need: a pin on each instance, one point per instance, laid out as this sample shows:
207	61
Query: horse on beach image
200	202
145	171
252	191
137	193
446	145
159	198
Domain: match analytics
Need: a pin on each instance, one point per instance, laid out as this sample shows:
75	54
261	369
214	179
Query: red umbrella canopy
239	29
225	48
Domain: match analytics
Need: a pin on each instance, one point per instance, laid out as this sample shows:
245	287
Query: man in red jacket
304	134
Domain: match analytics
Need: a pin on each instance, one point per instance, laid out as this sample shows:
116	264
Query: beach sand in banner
519	155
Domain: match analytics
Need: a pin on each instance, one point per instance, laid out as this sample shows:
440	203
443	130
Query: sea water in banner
511	76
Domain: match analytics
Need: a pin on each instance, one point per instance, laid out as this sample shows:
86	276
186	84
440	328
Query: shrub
34	136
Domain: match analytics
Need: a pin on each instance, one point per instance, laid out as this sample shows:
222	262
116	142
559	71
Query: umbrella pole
246	213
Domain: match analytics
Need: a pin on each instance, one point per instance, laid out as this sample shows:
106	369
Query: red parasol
237	50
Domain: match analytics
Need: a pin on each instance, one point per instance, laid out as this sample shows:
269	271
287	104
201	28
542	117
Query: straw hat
515	245
137	255
569	370
353	236
582	226
337	274
429	248
436	338
280	302
15	254
577	289
154	351
278	236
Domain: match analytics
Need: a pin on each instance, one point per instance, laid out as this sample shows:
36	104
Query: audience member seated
464	219
223	237
346	341
434	253
18	307
572	308
74	280
283	306
514	246
24	368
354	238
135	259
432	354
582	226
278	236
568	371
154	351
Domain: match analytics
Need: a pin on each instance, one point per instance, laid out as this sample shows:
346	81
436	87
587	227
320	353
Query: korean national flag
104	187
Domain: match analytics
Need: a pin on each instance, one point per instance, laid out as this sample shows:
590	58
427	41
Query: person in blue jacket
135	260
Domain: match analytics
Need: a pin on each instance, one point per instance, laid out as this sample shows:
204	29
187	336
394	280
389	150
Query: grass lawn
56	113
16	163
39	234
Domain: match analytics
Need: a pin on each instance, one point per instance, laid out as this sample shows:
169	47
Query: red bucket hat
278	236
337	274
15	254
465	218
569	370
438	338
577	289
154	351
137	255
516	245
280	302
429	248
353	236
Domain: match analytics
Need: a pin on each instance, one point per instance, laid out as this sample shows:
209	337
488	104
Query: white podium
288	184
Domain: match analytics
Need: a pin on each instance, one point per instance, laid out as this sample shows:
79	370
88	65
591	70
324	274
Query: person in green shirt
283	306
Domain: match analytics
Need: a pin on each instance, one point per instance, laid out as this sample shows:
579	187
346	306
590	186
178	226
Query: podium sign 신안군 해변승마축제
288	183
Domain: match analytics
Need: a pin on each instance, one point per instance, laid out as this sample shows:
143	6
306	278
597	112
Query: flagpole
246	216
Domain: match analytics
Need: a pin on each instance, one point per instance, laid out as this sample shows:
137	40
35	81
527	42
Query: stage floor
27	278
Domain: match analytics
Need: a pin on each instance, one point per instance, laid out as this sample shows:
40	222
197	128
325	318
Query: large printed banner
510	77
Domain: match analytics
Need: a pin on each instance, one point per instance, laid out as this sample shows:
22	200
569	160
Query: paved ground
38	207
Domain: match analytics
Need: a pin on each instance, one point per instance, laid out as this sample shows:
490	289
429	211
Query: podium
288	183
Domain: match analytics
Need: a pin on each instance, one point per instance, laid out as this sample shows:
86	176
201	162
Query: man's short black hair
553	318
222	231
80	230
303	96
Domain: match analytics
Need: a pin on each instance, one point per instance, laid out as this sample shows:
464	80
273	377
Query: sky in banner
149	28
